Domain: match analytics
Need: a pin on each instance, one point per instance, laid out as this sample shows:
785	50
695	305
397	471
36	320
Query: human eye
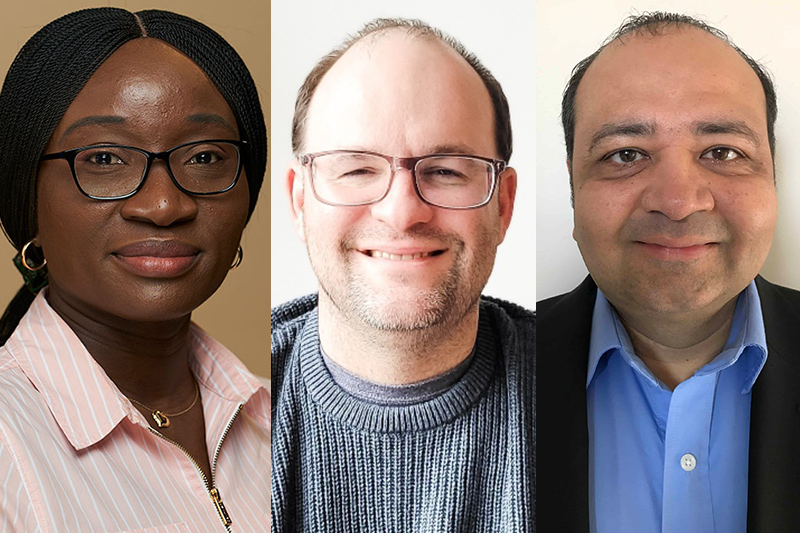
102	160
722	154
451	171
205	154
443	172
102	157
204	158
625	156
444	176
350	168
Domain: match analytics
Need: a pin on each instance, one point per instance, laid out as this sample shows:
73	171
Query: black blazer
562	457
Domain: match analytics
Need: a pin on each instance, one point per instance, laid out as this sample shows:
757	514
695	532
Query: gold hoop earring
25	259
238	259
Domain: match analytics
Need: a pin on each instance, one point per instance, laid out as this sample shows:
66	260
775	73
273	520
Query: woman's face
161	253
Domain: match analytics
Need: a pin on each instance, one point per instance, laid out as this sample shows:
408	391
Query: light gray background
569	30
500	33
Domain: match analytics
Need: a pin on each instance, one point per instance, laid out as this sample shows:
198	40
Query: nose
678	187
159	201
402	207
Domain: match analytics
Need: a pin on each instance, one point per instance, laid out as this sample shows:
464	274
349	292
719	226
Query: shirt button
688	462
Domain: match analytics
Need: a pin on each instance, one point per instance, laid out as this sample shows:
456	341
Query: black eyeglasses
353	178
116	172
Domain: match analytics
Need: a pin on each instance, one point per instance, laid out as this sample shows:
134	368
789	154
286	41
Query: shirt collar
747	331
84	401
224	374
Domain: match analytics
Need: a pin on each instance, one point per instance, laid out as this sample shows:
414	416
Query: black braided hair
52	68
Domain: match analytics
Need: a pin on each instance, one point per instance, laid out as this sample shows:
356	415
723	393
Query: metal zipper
213	491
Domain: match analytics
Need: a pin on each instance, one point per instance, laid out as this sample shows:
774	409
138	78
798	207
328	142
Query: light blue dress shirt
671	461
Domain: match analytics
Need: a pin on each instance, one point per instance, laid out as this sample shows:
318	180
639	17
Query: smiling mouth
379	254
682	252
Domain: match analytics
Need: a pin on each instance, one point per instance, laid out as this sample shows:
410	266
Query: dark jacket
565	324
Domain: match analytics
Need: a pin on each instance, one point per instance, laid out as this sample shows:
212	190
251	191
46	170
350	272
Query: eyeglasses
353	178
115	172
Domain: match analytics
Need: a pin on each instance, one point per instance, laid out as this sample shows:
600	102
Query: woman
133	149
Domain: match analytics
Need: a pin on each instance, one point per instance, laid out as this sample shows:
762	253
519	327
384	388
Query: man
668	385
404	398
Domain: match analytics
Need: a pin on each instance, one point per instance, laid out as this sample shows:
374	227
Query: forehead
400	94
670	80
146	84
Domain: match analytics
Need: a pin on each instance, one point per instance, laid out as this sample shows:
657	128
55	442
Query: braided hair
52	68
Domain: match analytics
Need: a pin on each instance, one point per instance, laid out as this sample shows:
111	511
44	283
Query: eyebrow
93	121
451	149
455	149
211	118
727	128
625	129
644	129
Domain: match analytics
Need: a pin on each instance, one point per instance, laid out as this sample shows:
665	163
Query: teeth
397	257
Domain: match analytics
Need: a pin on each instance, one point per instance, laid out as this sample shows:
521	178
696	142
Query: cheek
326	226
753	213
69	225
600	213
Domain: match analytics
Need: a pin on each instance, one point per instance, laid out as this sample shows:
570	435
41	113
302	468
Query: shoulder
771	294
286	320
515	326
507	309
286	323
780	307
508	315
582	297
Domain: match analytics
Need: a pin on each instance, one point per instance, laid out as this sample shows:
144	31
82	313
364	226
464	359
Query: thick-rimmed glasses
115	172
353	178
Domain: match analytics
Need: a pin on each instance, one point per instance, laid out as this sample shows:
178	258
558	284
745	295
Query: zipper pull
223	514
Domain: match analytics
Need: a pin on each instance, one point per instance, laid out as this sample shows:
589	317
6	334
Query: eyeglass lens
445	181
111	171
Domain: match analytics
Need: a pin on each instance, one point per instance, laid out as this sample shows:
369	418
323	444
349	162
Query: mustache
698	226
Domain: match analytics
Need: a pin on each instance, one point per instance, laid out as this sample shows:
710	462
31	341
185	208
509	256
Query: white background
569	30
500	33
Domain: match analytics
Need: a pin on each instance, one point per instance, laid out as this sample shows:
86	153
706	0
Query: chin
670	298
404	310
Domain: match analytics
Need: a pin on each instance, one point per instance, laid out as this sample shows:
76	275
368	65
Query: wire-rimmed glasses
354	178
115	172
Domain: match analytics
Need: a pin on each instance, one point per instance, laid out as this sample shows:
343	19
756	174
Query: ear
506	194
295	190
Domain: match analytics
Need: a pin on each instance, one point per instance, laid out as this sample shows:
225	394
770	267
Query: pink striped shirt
76	456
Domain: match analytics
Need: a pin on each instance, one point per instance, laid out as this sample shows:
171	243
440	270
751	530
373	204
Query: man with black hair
404	399
668	380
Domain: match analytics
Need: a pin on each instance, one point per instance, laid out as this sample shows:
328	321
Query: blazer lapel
774	471
562	471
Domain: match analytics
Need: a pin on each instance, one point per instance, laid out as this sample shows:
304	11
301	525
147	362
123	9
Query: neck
677	346
395	357
147	361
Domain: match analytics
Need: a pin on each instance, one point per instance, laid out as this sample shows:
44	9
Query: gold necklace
162	418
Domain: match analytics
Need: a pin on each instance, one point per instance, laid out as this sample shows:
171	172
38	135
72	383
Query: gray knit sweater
461	462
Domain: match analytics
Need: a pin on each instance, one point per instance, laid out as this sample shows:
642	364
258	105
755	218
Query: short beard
443	305
428	312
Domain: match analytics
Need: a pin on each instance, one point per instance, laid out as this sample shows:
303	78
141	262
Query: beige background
237	314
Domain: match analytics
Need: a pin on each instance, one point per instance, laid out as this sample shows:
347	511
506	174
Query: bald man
669	377
404	397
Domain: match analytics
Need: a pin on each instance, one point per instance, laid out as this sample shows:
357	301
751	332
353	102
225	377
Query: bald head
400	91
407	47
655	24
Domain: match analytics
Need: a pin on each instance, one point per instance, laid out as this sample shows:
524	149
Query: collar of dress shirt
747	331
86	404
